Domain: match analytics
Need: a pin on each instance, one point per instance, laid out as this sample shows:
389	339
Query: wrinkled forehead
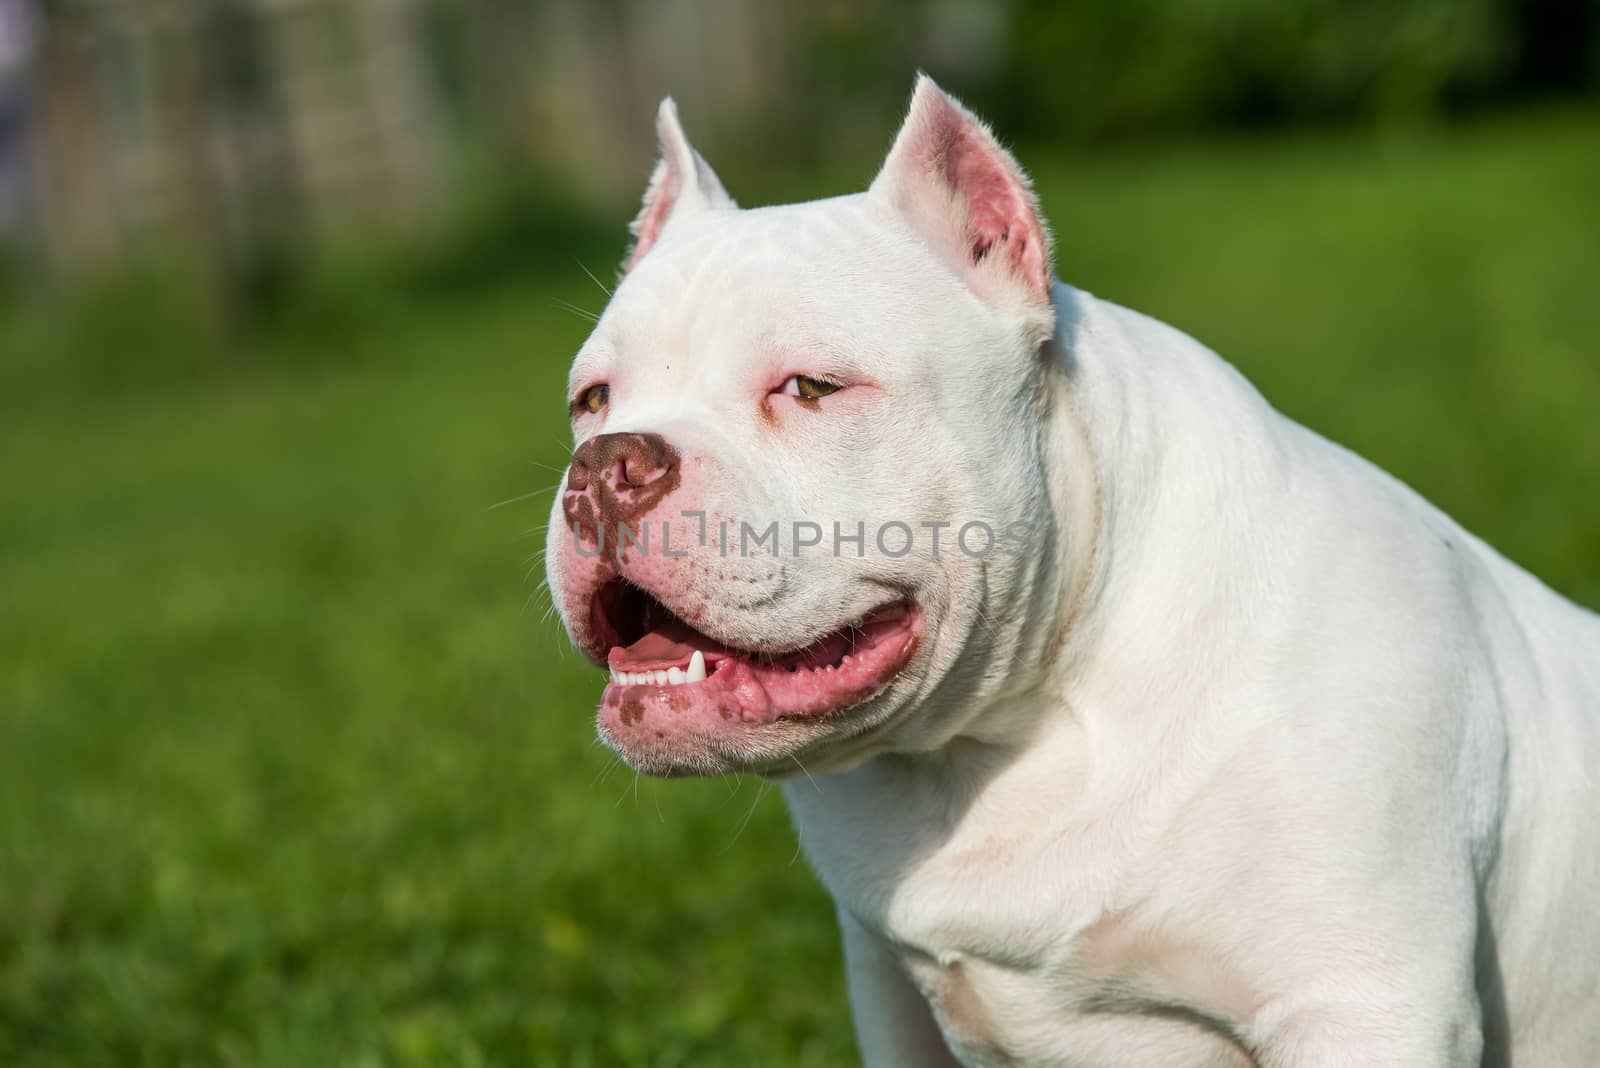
726	256
814	276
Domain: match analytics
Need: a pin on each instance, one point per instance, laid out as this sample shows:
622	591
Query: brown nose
622	462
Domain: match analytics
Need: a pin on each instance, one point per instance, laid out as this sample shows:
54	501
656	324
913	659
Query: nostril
621	461
634	473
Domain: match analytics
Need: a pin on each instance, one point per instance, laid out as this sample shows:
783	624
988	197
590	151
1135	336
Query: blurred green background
295	770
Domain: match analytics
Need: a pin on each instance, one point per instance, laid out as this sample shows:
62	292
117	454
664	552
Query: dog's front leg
1405	1037
895	1027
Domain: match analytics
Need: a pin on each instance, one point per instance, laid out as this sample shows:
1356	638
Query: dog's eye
808	388
593	399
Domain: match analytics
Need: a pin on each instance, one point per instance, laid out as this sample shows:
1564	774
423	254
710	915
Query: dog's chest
1007	936
1015	989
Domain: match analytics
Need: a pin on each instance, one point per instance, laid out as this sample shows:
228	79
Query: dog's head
805	520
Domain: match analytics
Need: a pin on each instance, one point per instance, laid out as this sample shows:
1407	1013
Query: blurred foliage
517	149
1114	69
158	324
1121	69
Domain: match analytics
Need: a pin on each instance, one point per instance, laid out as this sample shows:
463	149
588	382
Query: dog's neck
1145	428
1164	470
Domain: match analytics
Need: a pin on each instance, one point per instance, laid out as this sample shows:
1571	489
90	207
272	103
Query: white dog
1143	726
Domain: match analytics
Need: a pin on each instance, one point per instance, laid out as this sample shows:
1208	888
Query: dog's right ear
682	184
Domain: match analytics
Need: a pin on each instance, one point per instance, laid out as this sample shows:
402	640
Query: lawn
293	771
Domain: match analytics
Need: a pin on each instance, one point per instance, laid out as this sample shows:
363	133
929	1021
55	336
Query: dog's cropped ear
968	199
682	184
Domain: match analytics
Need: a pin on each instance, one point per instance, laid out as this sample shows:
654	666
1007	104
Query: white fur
1260	759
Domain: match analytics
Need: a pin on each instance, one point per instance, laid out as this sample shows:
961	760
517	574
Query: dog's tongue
670	644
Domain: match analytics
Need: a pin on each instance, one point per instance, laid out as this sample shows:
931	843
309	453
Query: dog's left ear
682	184
965	196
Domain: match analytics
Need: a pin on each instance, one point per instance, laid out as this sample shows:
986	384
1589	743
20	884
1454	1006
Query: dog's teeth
675	676
660	678
615	678
697	668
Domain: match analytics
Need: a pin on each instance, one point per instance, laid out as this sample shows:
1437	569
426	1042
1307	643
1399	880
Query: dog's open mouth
657	659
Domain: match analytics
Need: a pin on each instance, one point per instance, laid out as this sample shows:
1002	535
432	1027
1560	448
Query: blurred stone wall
246	131
171	127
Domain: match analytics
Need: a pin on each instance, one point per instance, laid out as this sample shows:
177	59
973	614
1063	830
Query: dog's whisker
524	496
605	771
807	774
733	791
581	313
603	287
745	822
627	789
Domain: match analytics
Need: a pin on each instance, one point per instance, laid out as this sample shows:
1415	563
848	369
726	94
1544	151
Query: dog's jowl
1128	722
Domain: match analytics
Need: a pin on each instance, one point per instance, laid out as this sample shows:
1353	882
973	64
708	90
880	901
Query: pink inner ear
1000	216
659	200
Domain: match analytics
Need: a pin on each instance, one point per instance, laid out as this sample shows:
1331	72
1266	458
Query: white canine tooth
697	668
614	677
675	676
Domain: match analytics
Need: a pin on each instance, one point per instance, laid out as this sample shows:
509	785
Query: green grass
292	773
